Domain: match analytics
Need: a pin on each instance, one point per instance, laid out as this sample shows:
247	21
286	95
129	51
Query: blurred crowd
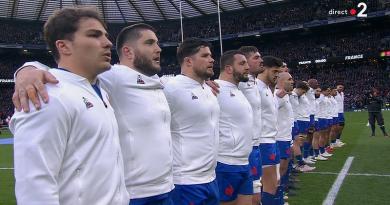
251	19
359	77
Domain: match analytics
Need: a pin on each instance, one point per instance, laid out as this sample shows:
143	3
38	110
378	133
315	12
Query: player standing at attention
252	94
285	123
235	132
341	120
132	85
272	193
194	126
300	89
74	156
310	95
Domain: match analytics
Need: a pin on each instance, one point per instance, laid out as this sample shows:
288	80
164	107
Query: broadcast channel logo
360	11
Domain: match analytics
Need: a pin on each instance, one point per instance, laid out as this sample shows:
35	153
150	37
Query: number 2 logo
363	7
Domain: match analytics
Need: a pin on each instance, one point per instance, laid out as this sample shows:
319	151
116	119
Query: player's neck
78	70
225	77
263	78
188	72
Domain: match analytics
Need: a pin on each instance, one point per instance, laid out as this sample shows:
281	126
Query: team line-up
88	132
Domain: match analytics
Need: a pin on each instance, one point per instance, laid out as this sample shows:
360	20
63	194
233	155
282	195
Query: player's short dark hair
339	83
272	61
325	87
302	85
130	34
247	50
63	23
227	58
189	47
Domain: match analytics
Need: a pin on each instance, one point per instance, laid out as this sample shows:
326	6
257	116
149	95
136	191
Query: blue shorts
322	124
162	199
295	130
316	125
312	121
233	180
196	194
269	154
284	149
303	126
341	118
255	163
335	120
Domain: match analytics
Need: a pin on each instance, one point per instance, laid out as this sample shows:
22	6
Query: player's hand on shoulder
29	85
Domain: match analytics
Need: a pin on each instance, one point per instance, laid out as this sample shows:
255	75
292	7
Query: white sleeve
35	64
109	81
169	92
40	139
279	101
321	98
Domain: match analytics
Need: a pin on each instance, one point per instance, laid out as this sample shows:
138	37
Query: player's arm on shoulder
40	140
29	83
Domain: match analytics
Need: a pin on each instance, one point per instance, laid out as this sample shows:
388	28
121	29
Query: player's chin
105	66
157	68
210	73
156	63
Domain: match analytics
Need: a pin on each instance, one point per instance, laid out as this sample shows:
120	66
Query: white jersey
68	152
252	94
285	118
329	108
195	133
143	117
334	107
303	109
269	114
294	100
317	108
144	121
323	103
235	125
340	102
310	96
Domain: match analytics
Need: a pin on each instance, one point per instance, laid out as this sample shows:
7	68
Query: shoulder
172	85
